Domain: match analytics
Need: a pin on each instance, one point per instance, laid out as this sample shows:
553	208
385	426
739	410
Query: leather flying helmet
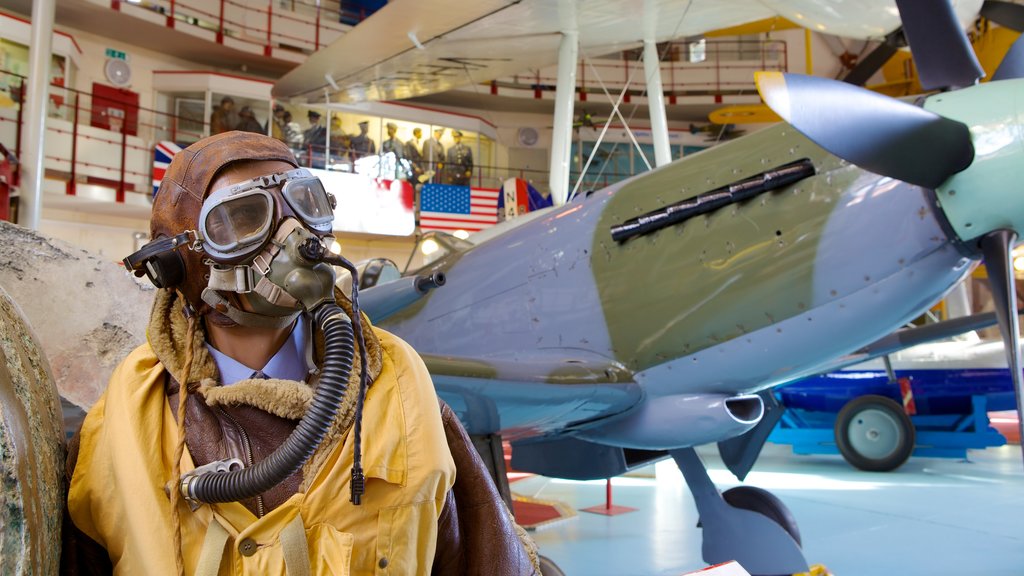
235	223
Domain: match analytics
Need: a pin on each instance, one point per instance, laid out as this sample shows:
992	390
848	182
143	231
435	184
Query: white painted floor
933	516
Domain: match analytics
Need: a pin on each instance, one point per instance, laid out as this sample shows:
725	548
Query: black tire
549	568
874	433
766	504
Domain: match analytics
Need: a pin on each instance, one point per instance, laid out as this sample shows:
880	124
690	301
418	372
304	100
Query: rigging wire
615	107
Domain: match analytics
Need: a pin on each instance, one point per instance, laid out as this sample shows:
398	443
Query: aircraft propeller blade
1005	14
875	132
866	68
941	51
1012	65
1010	16
997	249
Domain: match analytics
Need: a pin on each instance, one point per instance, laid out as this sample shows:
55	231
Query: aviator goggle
236	221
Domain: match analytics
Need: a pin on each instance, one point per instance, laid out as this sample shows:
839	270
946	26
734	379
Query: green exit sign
116	54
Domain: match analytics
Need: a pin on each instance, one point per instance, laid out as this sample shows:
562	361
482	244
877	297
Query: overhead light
415	40
461	234
336	247
429	246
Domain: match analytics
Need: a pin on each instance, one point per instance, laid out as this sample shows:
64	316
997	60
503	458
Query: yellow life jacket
117	494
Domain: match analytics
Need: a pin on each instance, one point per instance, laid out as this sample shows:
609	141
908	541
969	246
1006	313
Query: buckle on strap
240	279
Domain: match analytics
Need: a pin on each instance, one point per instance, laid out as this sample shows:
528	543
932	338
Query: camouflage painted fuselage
751	295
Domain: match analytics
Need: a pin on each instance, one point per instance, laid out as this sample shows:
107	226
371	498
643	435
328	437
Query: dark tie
259	375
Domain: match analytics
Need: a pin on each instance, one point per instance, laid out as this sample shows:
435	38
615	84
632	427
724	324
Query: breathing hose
236	485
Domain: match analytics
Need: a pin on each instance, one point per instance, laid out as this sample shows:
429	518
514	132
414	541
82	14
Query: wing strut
656	104
565	97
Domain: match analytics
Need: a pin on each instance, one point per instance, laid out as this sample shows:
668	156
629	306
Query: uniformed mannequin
224	379
277	124
362	144
221	119
314	140
395	146
433	153
413	154
459	165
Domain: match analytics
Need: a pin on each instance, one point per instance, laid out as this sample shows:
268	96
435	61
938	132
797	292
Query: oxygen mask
250	234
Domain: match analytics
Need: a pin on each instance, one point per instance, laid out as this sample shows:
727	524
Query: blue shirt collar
288	363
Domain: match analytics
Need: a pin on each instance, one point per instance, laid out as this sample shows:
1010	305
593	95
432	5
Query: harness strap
213	549
221	304
295	548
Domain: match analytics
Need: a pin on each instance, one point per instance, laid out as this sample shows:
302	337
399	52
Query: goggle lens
310	201
238	221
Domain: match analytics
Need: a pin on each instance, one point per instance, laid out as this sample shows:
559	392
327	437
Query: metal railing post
71	187
267	50
317	39
17	136
220	27
124	159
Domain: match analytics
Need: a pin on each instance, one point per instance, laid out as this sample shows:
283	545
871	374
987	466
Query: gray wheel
873	433
764	503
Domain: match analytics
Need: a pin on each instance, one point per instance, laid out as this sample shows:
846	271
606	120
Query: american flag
162	155
449	208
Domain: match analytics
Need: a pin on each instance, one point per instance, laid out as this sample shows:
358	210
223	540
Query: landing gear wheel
874	433
549	568
764	503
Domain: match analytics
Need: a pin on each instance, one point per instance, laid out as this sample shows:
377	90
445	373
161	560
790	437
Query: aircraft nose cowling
679	421
989	194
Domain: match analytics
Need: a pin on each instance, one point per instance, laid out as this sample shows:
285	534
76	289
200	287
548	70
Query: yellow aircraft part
992	46
899	72
756	27
816	570
744	114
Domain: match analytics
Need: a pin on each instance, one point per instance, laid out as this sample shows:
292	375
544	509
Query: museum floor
933	516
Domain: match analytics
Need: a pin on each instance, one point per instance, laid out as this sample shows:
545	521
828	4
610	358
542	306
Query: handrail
255	25
722	71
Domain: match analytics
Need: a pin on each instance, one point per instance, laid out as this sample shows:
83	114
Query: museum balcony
696	76
259	36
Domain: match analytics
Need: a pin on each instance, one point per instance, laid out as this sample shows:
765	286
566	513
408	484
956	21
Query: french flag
162	155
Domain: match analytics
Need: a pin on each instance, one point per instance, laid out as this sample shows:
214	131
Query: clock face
118	72
528	136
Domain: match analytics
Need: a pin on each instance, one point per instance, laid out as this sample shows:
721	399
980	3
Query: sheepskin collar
168	328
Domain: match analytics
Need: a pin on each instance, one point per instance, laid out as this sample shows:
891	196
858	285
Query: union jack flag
449	208
162	155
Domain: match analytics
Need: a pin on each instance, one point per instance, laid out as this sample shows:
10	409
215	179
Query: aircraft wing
413	48
912	336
